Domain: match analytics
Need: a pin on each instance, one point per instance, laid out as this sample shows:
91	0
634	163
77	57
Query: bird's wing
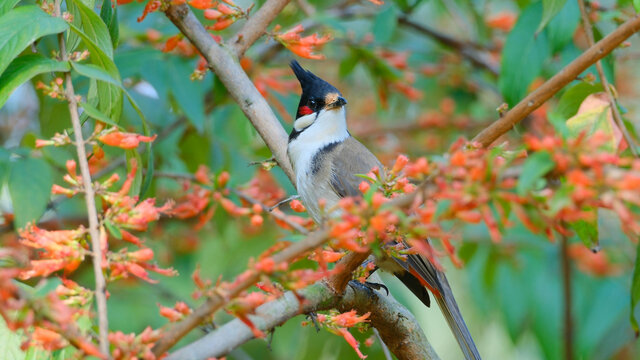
352	158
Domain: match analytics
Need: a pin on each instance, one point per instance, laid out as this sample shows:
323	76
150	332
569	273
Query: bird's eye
312	103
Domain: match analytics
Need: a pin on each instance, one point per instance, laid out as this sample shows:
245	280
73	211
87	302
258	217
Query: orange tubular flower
114	137
302	46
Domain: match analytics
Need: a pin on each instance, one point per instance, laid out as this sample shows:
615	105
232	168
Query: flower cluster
301	46
339	323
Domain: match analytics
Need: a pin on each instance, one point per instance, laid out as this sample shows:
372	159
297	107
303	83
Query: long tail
421	274
450	310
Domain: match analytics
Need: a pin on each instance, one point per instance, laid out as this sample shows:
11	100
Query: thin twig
558	81
278	215
468	50
586	24
254	28
385	348
566	286
101	286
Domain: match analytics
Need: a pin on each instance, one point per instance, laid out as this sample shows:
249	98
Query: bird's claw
314	319
368	286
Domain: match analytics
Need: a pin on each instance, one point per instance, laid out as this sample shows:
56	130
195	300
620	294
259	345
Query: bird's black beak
340	102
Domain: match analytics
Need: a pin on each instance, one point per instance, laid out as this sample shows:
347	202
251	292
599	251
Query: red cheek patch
304	110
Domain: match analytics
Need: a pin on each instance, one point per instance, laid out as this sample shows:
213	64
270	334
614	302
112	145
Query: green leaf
30	182
95	72
187	93
109	14
570	101
593	120
109	95
384	24
96	114
587	231
92	25
536	166
523	56
635	291
561	28
6	5
137	180
10	343
24	68
113	229
550	8
23	26
636	5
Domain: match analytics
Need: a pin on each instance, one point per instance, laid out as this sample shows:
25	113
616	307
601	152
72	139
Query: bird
327	160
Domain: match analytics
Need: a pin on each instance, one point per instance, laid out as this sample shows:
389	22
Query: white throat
327	127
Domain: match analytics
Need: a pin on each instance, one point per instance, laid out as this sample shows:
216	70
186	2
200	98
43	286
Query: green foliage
24	68
515	282
109	14
29	183
22	27
95	35
536	166
550	8
635	292
523	56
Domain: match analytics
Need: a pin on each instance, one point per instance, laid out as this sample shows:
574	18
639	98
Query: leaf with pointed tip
29	182
24	68
23	26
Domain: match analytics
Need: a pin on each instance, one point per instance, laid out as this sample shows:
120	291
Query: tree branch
398	328
255	26
586	24
558	81
216	301
466	49
240	87
101	286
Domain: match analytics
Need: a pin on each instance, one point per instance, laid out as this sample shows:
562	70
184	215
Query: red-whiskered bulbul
326	160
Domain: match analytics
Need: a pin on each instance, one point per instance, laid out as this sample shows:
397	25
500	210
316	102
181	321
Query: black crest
312	86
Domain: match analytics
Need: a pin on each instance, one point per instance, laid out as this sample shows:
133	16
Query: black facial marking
315	162
314	89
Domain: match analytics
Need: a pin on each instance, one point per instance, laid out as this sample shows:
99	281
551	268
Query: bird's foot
313	316
368	286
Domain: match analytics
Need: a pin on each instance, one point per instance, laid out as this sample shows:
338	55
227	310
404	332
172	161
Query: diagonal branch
255	26
466	49
558	81
398	328
228	70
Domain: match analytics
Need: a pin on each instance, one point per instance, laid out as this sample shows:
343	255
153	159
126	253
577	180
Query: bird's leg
368	272
313	316
284	201
271	332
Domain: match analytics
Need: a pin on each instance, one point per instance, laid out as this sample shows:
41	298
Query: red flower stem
586	24
101	287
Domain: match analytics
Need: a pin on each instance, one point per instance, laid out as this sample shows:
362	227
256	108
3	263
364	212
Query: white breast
329	127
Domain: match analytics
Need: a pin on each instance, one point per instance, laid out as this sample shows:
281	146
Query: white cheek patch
304	121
